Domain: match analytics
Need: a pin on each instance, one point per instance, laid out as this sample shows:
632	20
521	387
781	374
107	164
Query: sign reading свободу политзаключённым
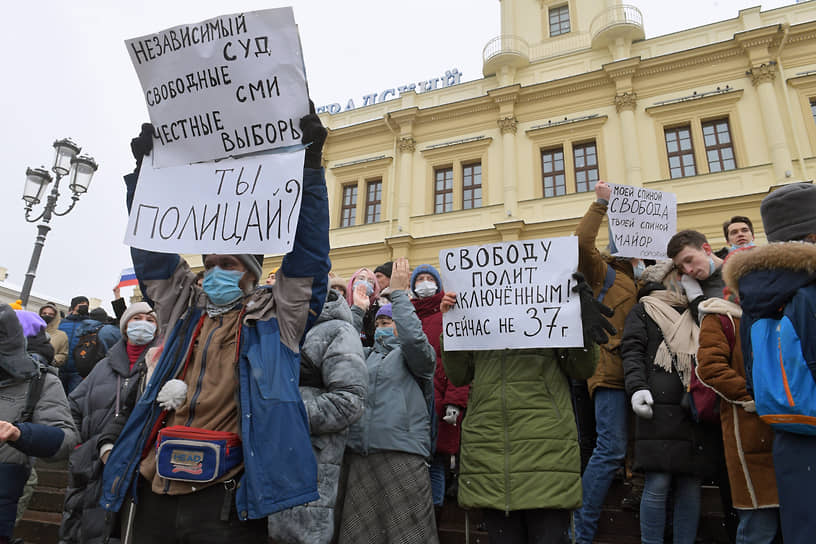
512	295
223	87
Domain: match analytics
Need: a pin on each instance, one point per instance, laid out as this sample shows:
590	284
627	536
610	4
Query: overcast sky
67	73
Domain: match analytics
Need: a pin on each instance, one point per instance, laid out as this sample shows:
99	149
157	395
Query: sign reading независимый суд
247	205
512	295
641	221
223	87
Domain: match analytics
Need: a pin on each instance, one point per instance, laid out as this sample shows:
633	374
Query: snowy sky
67	74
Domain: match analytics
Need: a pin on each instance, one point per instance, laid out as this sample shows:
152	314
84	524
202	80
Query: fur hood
794	256
719	306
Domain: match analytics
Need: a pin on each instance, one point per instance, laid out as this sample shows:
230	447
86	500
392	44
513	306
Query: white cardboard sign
248	205
223	87
512	295
641	221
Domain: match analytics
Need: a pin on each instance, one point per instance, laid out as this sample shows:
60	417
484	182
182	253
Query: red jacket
444	392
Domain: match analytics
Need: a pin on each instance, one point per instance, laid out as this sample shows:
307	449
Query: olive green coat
519	441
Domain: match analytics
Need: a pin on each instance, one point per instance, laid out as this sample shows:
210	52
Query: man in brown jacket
59	340
748	441
613	281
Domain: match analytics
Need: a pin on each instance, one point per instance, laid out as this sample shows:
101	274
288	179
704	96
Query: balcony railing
626	17
506	49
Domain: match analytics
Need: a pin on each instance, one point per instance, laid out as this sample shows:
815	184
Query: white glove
172	394
451	414
642	403
750	407
691	287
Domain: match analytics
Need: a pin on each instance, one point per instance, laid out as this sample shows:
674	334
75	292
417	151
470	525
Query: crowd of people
315	409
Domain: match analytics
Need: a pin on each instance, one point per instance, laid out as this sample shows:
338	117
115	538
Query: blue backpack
784	386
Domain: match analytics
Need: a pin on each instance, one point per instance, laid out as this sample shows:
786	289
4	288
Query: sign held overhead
226	86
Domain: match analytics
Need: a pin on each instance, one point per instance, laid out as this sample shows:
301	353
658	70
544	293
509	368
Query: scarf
134	352
681	333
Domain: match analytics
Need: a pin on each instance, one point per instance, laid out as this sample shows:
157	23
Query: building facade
573	93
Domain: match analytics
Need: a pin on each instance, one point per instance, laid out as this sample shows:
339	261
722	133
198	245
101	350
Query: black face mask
47	318
82	310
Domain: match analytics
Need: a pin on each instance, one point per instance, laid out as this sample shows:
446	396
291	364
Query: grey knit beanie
789	213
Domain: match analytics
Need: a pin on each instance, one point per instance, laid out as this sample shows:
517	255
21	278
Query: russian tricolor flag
128	278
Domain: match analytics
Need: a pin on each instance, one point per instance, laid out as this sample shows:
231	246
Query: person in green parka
520	460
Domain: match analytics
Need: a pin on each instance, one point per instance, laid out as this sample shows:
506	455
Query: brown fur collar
657	272
790	255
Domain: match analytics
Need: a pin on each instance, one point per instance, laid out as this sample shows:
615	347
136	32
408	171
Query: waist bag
189	454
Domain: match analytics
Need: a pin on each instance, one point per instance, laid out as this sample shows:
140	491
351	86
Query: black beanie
385	268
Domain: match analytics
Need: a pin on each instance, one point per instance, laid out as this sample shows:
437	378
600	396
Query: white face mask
141	332
425	289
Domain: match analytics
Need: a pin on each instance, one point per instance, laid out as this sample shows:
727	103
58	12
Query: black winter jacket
94	408
671	441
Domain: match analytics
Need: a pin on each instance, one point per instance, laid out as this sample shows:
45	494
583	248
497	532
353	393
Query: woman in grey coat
333	383
388	492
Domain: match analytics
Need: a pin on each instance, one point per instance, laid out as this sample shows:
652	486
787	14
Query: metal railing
504	45
622	14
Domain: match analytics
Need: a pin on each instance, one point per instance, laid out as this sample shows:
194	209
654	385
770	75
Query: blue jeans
611	412
653	507
437	472
757	526
793	456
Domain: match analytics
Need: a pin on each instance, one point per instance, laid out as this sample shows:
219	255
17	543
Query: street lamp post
67	162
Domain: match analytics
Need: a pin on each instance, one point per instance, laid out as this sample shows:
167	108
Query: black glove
314	133
142	144
596	326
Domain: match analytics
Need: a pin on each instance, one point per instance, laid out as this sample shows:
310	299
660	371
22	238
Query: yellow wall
610	89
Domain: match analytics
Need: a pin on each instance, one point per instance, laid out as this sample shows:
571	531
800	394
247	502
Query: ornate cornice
662	65
461	112
762	73
407	144
508	125
625	101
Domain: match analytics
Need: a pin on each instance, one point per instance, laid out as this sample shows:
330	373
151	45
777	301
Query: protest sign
512	295
248	205
641	221
223	87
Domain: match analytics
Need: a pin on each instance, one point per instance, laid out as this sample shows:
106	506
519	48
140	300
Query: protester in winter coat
47	431
108	393
366	277
520	456
778	281
75	320
226	381
449	400
659	346
612	279
747	439
51	315
109	333
39	347
388	491
333	384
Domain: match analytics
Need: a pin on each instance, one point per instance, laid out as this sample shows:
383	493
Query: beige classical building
573	93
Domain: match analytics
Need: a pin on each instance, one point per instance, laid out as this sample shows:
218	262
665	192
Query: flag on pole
128	278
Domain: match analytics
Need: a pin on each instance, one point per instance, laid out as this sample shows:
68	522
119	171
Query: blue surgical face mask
638	269
369	288
749	244
711	266
221	286
383	334
140	332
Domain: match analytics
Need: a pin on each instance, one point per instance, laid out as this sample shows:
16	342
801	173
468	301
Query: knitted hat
789	213
385	310
78	300
13	357
337	282
426	269
32	323
133	309
385	268
253	263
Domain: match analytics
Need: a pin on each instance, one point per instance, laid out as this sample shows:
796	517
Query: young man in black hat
71	326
